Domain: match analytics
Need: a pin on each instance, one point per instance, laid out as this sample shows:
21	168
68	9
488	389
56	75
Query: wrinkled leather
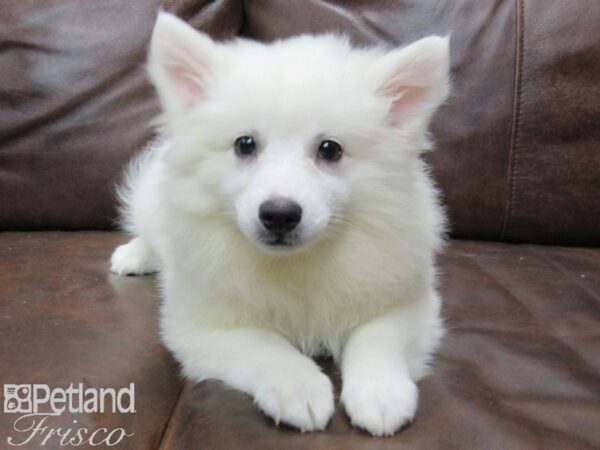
64	319
518	369
75	103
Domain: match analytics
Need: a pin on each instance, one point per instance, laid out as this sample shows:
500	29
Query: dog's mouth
280	242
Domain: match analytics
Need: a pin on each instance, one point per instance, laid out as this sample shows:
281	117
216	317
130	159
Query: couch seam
164	436
244	20
512	168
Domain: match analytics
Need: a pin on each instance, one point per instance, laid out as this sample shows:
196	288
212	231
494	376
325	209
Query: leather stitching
513	160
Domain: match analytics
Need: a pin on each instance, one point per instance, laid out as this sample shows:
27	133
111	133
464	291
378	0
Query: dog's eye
245	146
330	150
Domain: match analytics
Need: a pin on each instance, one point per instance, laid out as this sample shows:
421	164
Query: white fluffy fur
359	286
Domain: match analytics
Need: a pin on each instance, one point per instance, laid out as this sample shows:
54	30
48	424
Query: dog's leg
288	386
381	363
134	258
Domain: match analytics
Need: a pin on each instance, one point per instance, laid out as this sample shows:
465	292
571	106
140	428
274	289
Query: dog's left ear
416	80
180	63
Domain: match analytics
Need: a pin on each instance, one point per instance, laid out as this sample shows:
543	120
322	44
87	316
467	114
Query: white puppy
290	215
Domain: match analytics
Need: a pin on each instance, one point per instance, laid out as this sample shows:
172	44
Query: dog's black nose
280	215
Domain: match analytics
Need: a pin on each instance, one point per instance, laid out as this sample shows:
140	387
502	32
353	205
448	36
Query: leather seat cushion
519	368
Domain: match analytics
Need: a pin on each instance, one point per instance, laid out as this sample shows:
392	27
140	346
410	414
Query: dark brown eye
330	150
245	146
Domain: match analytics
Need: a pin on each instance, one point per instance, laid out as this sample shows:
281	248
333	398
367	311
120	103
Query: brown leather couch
517	159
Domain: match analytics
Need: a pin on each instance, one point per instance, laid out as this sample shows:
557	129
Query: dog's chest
315	315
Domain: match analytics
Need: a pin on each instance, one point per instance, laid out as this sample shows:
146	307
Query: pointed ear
179	63
416	80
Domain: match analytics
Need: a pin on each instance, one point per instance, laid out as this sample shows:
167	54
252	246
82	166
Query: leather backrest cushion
555	161
75	102
517	144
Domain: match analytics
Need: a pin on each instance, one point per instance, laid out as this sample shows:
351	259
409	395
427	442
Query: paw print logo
17	398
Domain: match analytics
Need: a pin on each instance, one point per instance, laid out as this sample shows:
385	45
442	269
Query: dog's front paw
133	258
301	397
380	404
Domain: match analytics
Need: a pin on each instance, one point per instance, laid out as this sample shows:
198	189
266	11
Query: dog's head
284	140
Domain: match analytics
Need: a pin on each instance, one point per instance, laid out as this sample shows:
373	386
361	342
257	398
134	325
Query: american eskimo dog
289	215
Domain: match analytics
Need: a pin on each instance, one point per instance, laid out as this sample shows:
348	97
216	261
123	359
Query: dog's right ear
180	63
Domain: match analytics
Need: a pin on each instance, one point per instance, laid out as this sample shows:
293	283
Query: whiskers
339	223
